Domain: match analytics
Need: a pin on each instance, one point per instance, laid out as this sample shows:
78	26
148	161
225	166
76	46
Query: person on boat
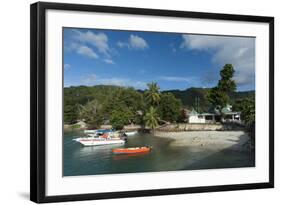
105	135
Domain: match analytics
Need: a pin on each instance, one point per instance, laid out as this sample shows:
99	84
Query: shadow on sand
236	156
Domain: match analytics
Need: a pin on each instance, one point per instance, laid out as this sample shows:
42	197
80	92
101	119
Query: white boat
106	138
89	136
90	131
99	141
92	135
101	131
106	134
131	133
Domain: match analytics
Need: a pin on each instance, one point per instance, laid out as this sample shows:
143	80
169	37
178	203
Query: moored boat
92	135
90	131
100	141
130	133
100	131
132	150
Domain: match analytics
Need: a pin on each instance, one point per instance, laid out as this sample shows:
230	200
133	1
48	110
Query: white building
229	116
195	117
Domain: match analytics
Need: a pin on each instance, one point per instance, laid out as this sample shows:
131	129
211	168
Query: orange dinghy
132	150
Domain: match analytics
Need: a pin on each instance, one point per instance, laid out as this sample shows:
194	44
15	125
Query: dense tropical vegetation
247	108
119	106
151	118
219	95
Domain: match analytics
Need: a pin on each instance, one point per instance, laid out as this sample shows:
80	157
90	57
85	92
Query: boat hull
131	150
98	142
131	133
101	131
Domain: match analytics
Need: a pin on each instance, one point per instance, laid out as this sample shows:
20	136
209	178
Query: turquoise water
80	160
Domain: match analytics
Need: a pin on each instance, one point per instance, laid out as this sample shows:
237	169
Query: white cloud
134	42
81	50
238	51
98	40
66	66
137	42
244	79
178	79
125	82
109	61
90	44
90	78
122	44
138	84
86	51
69	47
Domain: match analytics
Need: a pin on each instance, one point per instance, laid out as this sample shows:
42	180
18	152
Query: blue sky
174	61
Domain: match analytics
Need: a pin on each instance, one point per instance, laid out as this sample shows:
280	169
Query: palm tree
152	95
151	118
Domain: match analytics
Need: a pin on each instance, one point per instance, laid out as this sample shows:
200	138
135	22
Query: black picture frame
38	101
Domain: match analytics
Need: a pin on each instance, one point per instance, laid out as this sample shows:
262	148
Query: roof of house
190	112
193	112
225	110
212	110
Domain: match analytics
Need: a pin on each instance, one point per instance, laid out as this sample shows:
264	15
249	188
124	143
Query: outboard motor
124	137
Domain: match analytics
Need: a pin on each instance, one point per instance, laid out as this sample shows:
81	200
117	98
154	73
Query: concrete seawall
198	127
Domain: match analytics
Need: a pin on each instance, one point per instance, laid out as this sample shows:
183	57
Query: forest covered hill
107	95
197	97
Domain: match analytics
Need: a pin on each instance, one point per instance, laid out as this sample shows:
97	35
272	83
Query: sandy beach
213	149
208	140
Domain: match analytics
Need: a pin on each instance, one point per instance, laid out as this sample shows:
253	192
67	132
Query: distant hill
197	97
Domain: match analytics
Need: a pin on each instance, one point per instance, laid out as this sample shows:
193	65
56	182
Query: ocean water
80	160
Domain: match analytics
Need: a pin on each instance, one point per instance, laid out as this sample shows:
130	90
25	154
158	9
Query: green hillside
111	96
197	97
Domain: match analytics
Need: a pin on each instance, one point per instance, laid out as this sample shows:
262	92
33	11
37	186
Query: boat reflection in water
95	152
127	156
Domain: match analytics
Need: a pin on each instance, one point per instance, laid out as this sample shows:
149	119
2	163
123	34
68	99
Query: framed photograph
129	102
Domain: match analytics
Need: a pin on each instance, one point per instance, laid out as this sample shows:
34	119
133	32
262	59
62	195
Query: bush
120	118
169	107
75	126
